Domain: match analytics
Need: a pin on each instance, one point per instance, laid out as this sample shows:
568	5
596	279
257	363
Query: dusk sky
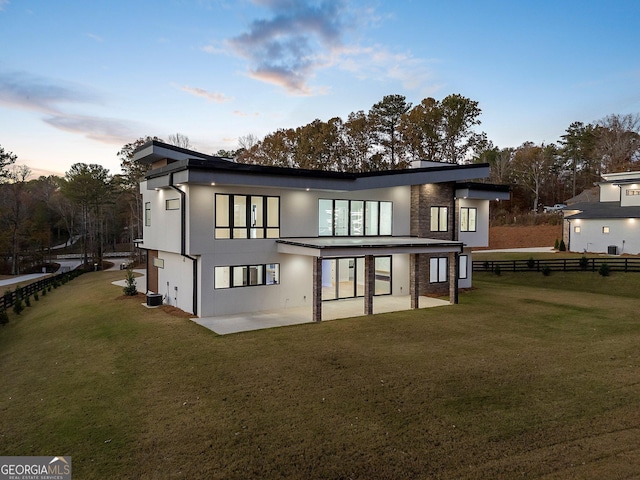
79	79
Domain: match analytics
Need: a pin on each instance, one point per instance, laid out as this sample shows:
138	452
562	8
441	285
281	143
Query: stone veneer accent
423	197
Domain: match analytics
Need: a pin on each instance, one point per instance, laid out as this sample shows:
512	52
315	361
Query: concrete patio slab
245	322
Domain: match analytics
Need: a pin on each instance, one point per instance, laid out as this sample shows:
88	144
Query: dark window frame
231	228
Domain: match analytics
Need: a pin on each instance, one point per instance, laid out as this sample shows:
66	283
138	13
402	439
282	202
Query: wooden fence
559	265
9	298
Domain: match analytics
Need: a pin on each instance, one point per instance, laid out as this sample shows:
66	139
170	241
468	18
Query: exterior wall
623	233
629	200
609	193
467	282
163	221
175	280
479	238
423	197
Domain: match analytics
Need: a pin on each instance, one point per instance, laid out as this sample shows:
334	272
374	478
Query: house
223	237
611	223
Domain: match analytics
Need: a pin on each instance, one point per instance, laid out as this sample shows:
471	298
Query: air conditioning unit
612	250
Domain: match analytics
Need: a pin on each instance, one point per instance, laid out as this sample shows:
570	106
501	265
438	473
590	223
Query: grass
522	379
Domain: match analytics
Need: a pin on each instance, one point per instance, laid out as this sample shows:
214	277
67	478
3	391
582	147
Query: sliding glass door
344	277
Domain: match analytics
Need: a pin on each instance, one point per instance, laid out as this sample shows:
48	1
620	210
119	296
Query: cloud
105	130
28	92
287	49
200	92
3	3
47	97
95	37
245	114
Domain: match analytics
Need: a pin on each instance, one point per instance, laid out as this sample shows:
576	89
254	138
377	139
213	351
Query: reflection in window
468	218
438	270
439	219
341	218
244	216
464	265
246	275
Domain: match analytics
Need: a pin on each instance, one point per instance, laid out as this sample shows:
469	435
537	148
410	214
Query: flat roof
187	166
593	210
360	246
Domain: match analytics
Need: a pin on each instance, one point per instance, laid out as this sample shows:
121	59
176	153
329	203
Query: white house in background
225	237
610	225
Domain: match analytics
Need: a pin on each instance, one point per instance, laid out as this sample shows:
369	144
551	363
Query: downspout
183	241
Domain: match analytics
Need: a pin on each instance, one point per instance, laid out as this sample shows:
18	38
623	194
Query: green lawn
527	377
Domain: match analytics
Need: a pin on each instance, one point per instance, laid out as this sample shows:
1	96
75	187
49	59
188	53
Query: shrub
497	270
4	318
584	263
18	307
562	246
44	291
36	297
531	263
604	270
130	284
27	301
556	245
546	271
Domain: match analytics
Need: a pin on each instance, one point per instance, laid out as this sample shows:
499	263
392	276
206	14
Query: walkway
245	322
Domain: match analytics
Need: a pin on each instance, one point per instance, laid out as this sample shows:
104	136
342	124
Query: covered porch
370	248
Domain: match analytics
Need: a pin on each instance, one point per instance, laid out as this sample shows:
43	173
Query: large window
344	277
246	275
468	217
439	219
147	214
344	218
463	263
247	216
438	270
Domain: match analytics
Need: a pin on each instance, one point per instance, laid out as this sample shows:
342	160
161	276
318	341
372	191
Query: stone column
414	280
369	283
453	277
317	289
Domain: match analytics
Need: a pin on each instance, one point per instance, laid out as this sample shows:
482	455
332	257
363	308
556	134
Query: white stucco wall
609	193
156	235
177	272
629	200
624	233
479	238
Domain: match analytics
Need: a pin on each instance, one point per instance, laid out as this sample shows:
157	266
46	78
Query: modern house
225	237
609	225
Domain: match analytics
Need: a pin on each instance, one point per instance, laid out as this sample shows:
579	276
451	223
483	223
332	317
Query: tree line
98	211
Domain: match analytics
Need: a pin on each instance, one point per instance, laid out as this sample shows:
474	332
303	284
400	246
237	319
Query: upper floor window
632	192
468	217
147	214
439	221
172	204
355	218
247	216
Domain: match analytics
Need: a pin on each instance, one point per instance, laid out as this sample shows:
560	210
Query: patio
332	310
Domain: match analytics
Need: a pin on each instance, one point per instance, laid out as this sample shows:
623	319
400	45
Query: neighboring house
225	237
611	224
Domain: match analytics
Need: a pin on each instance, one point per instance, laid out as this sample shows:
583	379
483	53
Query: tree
421	130
6	160
385	119
179	140
357	142
578	153
90	187
533	166
459	116
617	144
17	211
133	173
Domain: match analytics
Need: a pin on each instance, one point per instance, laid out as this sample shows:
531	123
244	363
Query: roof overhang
483	191
349	246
